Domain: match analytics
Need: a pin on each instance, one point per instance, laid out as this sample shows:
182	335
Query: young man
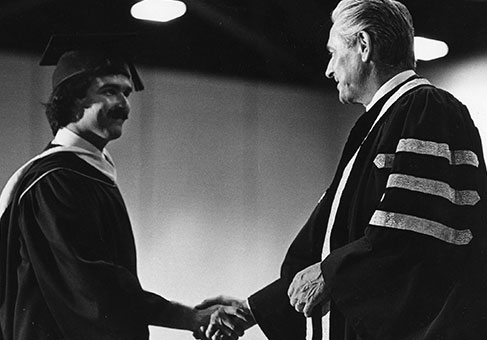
68	262
396	247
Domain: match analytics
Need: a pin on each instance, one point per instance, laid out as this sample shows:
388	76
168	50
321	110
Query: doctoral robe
409	242
68	262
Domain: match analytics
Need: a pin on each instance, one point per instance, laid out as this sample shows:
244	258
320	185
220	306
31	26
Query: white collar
66	137
86	151
65	140
389	85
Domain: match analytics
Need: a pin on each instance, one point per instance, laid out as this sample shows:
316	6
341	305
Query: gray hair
389	24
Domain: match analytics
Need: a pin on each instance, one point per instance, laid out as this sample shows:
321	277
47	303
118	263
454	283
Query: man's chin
114	133
346	99
343	99
117	134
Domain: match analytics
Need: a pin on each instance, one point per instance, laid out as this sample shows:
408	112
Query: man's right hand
233	316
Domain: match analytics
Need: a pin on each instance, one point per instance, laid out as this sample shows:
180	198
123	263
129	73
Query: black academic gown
67	261
403	277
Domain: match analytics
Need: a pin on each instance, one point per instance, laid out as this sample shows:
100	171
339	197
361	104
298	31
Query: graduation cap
92	53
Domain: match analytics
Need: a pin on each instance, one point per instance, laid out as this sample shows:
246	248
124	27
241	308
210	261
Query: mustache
118	113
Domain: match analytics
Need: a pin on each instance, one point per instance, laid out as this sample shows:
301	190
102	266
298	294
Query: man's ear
364	43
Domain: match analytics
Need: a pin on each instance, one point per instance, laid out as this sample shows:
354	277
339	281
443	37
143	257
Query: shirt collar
100	159
389	85
66	137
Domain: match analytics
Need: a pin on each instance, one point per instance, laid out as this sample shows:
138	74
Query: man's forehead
119	80
332	38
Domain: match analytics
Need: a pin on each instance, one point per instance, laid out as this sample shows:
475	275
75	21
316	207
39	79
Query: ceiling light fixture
158	10
429	49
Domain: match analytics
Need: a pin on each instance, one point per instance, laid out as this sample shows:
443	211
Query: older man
396	247
68	265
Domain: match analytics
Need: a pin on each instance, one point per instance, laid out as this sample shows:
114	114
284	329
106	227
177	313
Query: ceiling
270	40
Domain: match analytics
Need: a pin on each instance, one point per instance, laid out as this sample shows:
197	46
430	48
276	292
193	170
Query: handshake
226	318
222	318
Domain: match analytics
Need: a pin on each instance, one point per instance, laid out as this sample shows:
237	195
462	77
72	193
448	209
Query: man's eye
109	92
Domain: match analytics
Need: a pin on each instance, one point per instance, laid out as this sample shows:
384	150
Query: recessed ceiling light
158	10
429	49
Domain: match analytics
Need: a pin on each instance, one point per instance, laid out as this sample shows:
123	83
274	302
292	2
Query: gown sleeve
404	278
85	272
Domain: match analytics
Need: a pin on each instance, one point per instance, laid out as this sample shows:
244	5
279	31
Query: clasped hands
227	318
223	318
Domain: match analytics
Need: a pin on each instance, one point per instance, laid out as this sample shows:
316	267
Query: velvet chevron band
432	187
422	226
457	157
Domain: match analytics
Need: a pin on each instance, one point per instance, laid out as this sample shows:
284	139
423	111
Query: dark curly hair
61	108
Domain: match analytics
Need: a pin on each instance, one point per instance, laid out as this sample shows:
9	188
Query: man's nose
329	70
123	101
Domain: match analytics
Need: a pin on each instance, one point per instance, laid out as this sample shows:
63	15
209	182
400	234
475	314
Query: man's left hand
308	290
